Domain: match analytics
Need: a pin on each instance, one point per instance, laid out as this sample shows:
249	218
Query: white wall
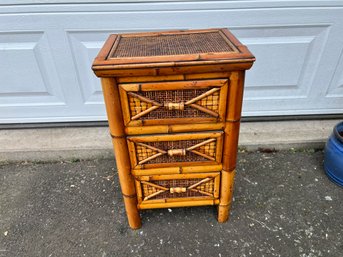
46	51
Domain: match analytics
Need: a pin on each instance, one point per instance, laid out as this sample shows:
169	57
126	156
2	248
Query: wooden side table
173	101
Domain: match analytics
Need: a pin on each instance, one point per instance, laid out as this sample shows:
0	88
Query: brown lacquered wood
111	96
174	202
177	68
174	128
235	96
150	78
226	191
175	137
124	102
195	76
180	200
213	75
179	176
105	50
178	170
170	164
138	191
233	115
172	121
161	33
125	78
160	86
231	145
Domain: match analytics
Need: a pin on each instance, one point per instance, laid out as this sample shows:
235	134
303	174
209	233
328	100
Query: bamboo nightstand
173	101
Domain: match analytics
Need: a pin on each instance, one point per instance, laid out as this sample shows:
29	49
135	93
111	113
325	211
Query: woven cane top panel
177	44
123	53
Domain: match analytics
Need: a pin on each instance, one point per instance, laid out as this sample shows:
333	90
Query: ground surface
284	205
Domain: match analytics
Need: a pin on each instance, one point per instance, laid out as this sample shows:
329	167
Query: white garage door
46	51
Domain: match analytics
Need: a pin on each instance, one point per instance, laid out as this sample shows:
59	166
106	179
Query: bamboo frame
177	170
226	191
127	183
173	121
223	72
172	68
174	164
178	199
175	137
235	96
175	85
177	77
178	203
138	191
178	176
233	115
175	128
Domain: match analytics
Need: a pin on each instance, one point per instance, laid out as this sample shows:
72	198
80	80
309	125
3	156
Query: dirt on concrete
284	205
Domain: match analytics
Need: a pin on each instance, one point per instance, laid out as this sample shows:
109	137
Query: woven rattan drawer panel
174	102
179	149
173	188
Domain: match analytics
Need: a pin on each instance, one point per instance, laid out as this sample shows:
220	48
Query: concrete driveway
284	205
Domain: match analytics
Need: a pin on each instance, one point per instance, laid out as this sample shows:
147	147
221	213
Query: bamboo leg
115	121
233	115
226	196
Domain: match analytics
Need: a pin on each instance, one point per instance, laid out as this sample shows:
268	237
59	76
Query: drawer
153	151
197	189
197	101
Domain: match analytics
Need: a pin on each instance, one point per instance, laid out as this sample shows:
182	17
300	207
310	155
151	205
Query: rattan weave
210	102
143	153
207	187
178	44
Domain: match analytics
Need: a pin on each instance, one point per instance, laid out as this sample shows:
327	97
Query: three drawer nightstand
173	101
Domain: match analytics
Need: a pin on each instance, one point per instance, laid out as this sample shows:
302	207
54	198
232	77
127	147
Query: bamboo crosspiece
176	106
177	190
173	101
176	152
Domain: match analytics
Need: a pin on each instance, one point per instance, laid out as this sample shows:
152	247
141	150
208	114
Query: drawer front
182	187
186	149
174	102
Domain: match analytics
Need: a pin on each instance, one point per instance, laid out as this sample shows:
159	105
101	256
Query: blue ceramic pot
333	161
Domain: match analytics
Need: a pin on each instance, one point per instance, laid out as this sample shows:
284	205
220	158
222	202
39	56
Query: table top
171	47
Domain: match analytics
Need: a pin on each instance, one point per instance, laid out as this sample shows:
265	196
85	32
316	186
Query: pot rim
338	128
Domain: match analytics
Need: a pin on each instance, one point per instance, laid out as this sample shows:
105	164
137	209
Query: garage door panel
84	47
336	86
287	59
298	50
27	71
